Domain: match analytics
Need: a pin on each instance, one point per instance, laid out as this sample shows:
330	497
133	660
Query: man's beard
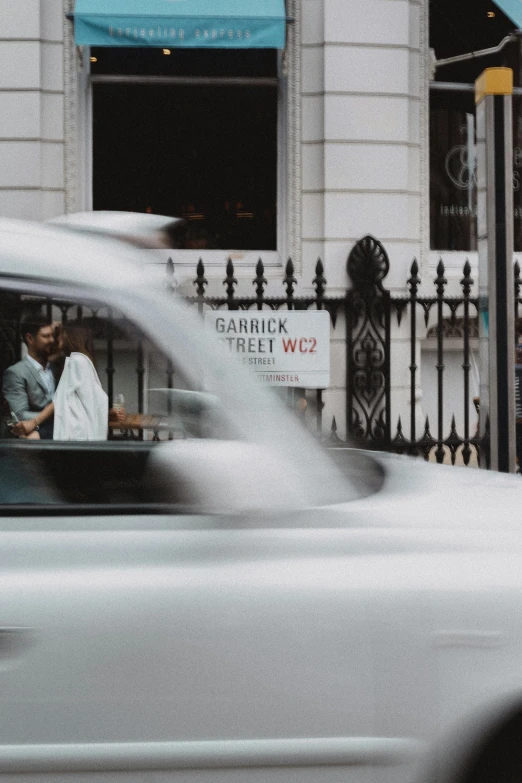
45	354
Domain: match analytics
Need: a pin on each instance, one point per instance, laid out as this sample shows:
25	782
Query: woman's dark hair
77	337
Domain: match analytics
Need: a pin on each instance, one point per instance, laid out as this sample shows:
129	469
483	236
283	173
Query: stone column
31	121
365	136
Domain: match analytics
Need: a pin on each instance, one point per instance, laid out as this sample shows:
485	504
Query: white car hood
415	493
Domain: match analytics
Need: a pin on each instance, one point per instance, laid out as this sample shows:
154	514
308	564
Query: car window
105	373
197	433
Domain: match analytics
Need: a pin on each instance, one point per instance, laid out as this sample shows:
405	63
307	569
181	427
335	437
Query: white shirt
46	375
81	407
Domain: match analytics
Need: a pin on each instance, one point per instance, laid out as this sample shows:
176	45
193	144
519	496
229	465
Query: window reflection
453	181
453	174
459	29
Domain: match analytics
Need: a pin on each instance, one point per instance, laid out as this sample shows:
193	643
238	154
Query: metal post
493	96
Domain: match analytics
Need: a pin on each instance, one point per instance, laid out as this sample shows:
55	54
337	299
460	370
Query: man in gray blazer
29	385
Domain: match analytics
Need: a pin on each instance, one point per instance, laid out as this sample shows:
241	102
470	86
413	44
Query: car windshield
189	387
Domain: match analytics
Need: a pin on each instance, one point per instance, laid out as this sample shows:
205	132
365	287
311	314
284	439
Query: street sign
282	347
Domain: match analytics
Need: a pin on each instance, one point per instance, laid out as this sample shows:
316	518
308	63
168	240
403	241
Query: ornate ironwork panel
368	345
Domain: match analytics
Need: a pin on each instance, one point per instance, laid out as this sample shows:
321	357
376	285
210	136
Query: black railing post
413	283
517	284
466	283
140	372
319	283
440	284
200	282
368	345
110	357
170	273
170	383
289	281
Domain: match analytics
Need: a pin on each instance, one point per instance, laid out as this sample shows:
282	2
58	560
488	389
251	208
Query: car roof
38	250
140	228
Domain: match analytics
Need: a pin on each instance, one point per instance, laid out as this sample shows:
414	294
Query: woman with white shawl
81	407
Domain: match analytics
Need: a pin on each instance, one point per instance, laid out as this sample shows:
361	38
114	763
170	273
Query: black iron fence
375	334
367	315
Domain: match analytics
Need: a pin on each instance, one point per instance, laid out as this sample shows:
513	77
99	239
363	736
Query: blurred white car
208	596
139	228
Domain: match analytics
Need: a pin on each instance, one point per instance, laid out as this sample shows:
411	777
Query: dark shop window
202	147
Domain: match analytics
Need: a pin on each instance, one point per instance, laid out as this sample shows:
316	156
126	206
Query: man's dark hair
32	324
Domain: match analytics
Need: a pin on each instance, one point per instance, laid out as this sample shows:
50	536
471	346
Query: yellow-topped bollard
494	156
494	81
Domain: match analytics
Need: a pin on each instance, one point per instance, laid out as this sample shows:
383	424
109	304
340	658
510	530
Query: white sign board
283	348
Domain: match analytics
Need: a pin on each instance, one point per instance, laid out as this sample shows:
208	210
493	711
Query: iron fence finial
201	281
319	280
230	281
289	280
414	280
260	282
440	280
467	281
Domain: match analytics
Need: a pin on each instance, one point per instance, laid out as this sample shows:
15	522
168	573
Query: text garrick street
252	326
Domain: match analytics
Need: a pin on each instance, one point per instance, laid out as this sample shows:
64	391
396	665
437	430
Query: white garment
81	407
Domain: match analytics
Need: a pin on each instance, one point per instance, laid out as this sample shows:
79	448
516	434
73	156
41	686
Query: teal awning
512	9
225	24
